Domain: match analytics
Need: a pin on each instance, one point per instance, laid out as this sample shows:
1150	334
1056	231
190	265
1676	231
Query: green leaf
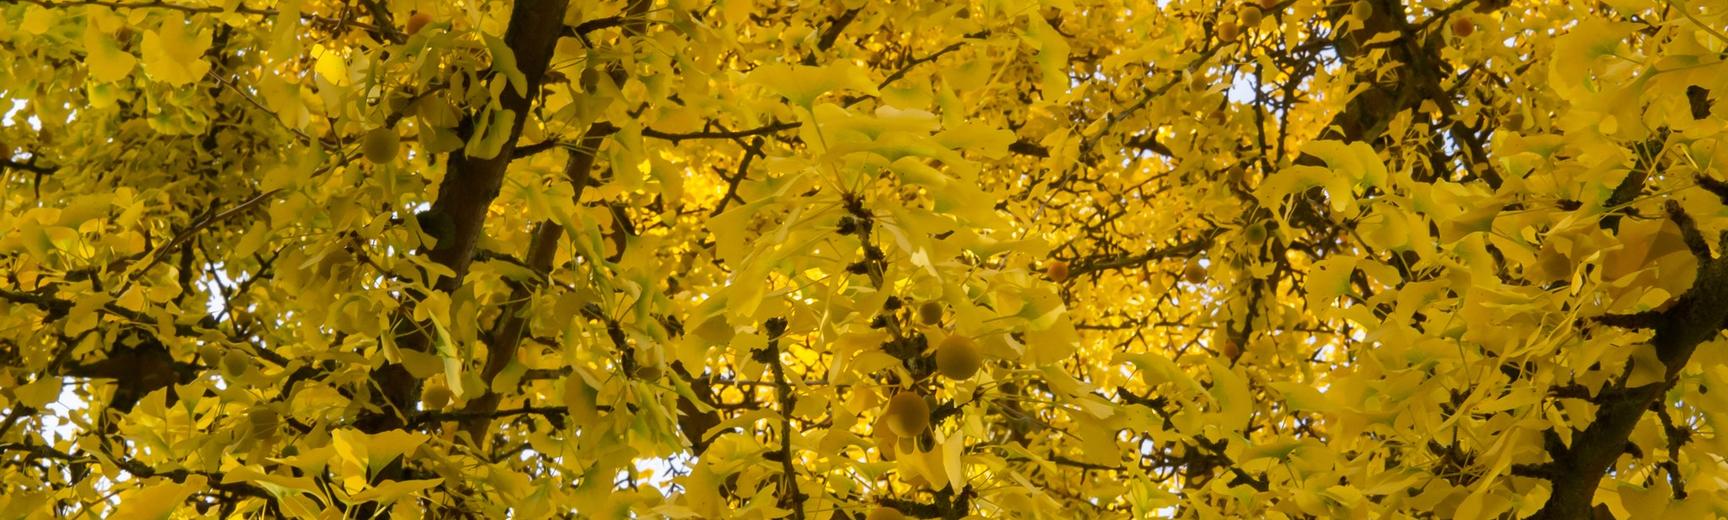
1575	60
504	62
494	130
447	353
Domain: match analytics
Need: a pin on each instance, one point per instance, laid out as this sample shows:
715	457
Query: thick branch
1689	233
582	29
467	191
507	333
1029	149
1695	317
1715	187
832	33
530	150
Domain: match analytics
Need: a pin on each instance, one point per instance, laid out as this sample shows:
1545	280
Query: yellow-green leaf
40	392
157	499
174	52
108	63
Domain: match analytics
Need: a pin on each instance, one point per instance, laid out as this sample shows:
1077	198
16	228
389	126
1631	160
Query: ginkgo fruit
1229	349
908	414
885	513
1463	27
1255	233
418	21
263	421
1362	10
1056	270
1228	31
380	145
435	396
1194	272
235	363
930	313
958	357
1250	15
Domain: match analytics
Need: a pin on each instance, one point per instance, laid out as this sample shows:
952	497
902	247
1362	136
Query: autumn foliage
847	259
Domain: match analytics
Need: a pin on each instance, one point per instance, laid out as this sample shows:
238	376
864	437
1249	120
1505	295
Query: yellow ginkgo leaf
1052	56
108	63
38	19
802	85
331	66
40	392
390	492
174	54
1230	392
157	499
1330	279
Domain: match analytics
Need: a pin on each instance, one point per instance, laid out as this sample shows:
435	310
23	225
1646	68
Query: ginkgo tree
846	259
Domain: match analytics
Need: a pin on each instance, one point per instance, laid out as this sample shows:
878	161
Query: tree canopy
848	259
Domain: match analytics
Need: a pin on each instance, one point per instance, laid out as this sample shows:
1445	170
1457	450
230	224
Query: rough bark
469	186
1698	316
